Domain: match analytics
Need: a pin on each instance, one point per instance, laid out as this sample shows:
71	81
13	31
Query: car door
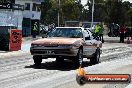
89	46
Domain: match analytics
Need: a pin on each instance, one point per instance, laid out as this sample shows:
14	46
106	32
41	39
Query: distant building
31	14
10	16
23	15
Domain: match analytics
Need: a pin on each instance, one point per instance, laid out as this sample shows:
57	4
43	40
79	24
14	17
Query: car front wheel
79	58
37	60
96	57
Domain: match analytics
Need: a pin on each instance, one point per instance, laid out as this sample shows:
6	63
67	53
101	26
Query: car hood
56	40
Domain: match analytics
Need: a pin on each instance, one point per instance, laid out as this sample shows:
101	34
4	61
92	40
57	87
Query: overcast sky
85	1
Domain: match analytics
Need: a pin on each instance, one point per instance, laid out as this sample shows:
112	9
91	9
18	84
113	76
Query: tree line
108	11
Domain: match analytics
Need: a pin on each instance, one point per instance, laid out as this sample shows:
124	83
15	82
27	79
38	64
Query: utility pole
92	13
79	2
58	13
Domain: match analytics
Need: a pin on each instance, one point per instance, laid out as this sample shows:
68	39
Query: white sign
11	19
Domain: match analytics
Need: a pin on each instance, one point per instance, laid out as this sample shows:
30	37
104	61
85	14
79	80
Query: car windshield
66	32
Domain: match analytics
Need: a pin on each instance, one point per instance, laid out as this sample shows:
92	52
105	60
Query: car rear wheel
96	58
79	58
37	60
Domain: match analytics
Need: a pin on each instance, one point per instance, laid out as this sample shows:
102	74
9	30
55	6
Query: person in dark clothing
35	27
101	33
122	32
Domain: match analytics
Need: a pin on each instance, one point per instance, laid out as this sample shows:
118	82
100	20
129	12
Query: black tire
81	80
96	57
59	60
79	58
102	41
37	60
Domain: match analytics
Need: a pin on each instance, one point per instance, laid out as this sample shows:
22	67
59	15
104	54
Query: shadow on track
65	66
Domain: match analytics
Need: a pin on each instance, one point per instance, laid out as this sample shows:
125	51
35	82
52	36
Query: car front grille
51	52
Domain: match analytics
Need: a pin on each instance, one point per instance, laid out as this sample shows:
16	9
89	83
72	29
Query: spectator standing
122	32
101	33
97	29
35	30
111	27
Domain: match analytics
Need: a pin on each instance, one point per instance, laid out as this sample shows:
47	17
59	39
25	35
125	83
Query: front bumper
53	51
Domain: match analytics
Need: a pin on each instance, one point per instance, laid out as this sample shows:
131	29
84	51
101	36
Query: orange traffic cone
128	41
81	71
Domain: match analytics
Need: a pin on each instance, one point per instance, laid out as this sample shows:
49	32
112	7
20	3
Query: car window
66	32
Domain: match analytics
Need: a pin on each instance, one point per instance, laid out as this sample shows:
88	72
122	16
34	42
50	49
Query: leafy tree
69	10
45	7
127	10
117	11
108	11
98	10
